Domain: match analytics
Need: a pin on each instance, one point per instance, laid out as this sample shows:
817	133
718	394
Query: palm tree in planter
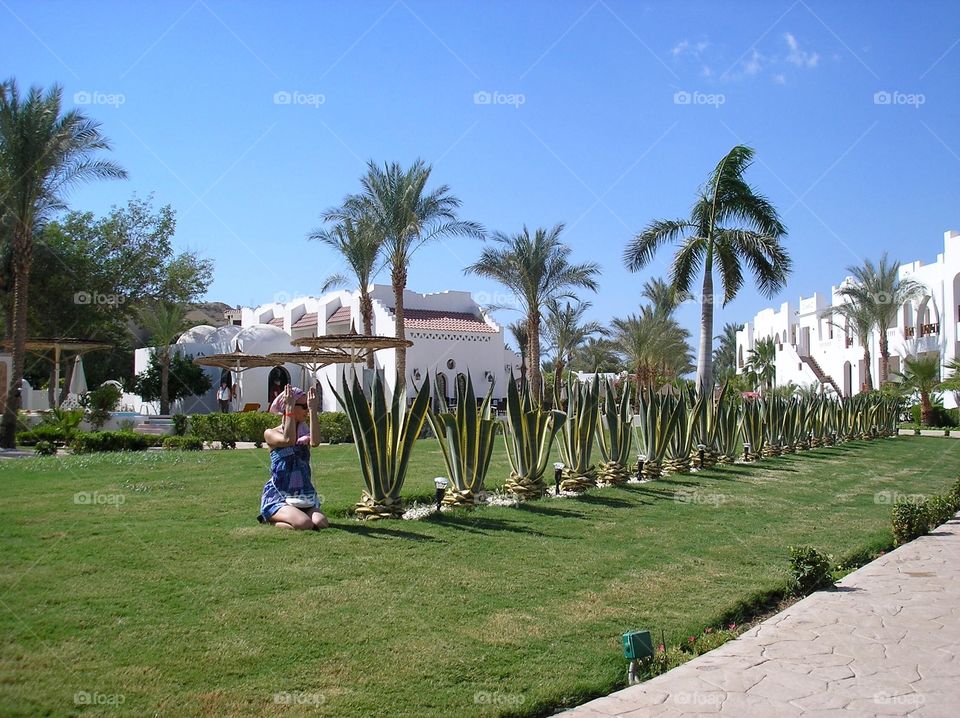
384	433
860	316
711	236
164	323
566	331
529	434
357	241
537	269
406	216
466	441
43	153
921	374
880	288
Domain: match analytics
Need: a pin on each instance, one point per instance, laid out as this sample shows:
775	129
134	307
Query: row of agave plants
672	433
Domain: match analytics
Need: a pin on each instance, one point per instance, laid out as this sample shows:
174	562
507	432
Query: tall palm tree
761	365
922	375
518	330
655	346
406	216
566	330
358	242
43	153
597	355
880	288
164	322
705	239
952	382
725	355
662	295
536	268
860	316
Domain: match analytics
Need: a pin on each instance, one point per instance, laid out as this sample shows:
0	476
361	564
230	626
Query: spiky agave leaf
615	436
529	436
579	433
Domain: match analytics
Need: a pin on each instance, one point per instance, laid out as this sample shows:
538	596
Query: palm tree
164	322
406	216
705	239
662	296
922	375
566	331
655	346
880	288
518	330
536	269
597	355
358	242
761	365
43	153
952	382
860	316
725	355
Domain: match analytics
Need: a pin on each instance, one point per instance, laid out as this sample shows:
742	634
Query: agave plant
774	411
752	429
677	459
384	437
529	437
579	433
706	430
466	441
615	438
656	421
727	431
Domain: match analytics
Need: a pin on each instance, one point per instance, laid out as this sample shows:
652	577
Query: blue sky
250	119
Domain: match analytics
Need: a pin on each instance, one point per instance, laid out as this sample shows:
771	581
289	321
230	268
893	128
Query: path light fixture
637	645
441	483
746	451
640	459
701	448
557	474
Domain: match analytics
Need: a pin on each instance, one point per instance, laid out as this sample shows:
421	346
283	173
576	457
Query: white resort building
451	336
813	347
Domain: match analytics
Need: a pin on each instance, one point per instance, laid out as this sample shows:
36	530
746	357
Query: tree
164	322
706	239
518	330
860	315
43	153
566	330
880	288
655	346
725	355
406	217
356	240
921	374
663	297
761	365
598	355
537	269
184	379
952	382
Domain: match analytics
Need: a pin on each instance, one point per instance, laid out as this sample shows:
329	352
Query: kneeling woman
289	499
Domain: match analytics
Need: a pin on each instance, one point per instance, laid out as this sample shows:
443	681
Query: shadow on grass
380	532
486	526
539	508
608	501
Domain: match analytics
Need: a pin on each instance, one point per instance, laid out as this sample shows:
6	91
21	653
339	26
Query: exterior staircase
822	377
155	426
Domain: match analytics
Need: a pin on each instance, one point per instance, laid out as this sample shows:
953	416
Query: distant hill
208	313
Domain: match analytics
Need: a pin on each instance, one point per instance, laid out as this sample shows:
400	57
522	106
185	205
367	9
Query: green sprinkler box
637	645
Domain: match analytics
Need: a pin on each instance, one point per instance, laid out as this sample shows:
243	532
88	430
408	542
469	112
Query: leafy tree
566	331
597	355
761	365
921	374
184	379
164	321
43	153
654	345
537	269
705	238
860	315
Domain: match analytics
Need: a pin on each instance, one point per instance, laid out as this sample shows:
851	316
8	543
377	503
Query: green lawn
178	603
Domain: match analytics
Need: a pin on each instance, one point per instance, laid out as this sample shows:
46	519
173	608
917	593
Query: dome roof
197	335
263	339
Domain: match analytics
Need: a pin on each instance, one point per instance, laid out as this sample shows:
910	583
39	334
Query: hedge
249	426
87	442
44	432
183	443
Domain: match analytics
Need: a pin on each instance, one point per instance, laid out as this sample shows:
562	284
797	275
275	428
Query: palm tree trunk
926	408
399	277
165	382
867	380
52	390
21	277
884	356
557	370
705	359
366	315
533	337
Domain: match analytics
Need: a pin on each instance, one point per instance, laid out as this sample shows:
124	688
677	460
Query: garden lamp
640	459
441	484
700	448
557	474
746	451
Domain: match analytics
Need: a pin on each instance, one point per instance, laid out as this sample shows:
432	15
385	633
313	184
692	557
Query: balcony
909	332
928	330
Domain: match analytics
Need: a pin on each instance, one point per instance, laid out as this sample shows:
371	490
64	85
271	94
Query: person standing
223	397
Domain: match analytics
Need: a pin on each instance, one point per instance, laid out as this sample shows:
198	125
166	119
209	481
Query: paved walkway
886	643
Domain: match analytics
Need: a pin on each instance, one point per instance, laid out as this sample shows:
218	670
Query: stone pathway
886	642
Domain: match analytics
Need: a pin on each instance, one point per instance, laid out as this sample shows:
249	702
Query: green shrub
66	419
183	443
93	441
45	448
939	418
180	424
911	519
100	402
335	427
249	426
954	495
940	508
216	427
45	432
809	568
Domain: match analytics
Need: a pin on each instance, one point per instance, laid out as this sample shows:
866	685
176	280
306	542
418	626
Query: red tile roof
277	322
307	321
444	321
341	315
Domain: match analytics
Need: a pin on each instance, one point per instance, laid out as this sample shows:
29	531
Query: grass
164	593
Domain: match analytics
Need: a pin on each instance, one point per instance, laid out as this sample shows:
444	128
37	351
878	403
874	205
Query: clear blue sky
602	141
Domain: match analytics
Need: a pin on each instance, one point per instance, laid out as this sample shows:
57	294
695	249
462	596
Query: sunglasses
302	406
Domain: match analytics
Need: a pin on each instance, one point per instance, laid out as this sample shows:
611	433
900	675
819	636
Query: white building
451	337
814	347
